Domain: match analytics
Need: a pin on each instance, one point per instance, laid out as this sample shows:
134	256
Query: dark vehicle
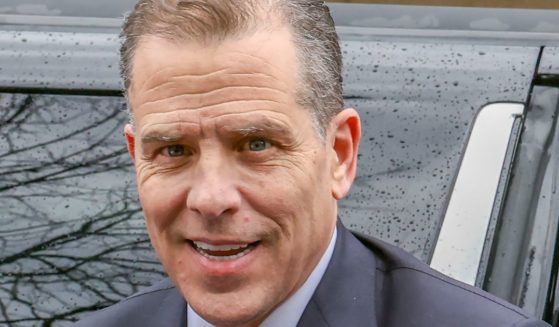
459	164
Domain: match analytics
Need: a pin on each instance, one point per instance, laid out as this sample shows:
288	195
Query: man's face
235	184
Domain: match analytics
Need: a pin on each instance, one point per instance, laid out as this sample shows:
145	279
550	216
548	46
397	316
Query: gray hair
312	26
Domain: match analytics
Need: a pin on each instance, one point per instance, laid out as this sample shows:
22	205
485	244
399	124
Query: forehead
201	84
271	53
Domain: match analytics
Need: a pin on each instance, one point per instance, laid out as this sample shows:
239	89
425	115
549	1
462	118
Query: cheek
284	194
162	201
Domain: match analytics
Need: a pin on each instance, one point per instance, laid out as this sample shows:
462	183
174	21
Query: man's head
239	164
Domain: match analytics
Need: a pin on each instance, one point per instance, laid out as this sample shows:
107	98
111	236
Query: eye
257	145
175	150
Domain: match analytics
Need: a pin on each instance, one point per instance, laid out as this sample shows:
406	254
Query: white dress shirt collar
290	311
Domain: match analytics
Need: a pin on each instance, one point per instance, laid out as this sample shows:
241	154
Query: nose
214	192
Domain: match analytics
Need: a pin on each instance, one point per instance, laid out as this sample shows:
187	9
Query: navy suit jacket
367	283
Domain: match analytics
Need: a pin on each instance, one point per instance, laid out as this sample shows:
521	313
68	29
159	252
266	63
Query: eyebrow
168	132
158	138
255	128
228	126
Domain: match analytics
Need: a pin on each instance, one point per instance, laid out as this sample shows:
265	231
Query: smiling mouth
225	252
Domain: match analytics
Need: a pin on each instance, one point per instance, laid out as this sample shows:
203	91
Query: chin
228	315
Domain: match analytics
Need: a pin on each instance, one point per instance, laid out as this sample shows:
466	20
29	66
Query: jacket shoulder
157	304
412	293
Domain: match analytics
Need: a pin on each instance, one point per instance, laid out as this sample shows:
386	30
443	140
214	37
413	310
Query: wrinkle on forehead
193	84
201	62
189	82
209	112
185	96
189	88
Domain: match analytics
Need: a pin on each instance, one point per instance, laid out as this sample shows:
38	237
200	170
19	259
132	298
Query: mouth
223	252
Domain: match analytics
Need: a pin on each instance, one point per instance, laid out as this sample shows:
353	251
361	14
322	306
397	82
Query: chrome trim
60	21
58	60
500	200
449	36
446	18
464	229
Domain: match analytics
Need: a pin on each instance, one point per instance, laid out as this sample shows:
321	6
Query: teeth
226	247
224	252
225	257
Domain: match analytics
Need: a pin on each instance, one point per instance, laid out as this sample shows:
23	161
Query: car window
72	234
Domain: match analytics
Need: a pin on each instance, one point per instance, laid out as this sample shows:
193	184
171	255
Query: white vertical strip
462	236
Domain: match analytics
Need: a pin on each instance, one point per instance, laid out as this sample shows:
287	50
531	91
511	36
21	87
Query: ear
130	141
346	132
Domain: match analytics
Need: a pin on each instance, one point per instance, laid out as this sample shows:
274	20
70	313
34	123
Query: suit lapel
171	311
346	294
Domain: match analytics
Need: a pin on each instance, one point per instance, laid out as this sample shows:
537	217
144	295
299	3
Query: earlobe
346	136
130	139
